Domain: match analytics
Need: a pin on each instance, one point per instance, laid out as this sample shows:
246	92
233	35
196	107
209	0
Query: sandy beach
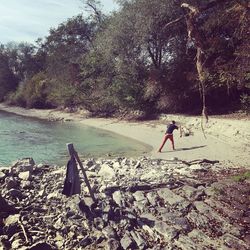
227	140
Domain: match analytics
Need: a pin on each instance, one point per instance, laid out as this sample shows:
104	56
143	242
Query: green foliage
130	60
242	177
8	82
245	102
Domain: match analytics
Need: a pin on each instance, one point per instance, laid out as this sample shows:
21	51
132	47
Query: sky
27	20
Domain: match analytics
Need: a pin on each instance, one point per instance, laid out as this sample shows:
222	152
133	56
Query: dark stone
86	241
41	246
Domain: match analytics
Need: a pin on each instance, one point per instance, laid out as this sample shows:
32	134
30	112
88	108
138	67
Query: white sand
227	140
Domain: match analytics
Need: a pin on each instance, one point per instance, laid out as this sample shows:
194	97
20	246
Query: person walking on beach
169	135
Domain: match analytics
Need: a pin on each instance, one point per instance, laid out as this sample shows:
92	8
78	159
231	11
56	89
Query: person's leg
172	140
163	143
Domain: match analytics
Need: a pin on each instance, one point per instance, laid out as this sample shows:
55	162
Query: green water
45	141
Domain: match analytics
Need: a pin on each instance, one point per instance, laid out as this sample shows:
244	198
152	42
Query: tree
8	82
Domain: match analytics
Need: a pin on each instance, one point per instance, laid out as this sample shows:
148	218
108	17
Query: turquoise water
45	141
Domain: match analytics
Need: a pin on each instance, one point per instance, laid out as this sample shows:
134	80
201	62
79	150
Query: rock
86	241
190	193
172	199
11	220
113	244
16	244
117	197
168	232
196	239
198	167
139	196
152	198
26	175
2	175
11	182
41	246
126	241
233	242
106	172
15	193
5	207
26	185
176	220
23	165
141	243
52	195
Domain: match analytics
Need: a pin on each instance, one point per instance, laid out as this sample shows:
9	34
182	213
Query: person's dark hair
173	122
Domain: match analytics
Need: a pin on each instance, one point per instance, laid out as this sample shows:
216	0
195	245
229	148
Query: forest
149	56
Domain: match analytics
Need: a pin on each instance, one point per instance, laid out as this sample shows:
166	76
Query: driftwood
74	154
23	229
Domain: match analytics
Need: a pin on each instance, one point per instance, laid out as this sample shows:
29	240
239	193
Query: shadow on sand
184	149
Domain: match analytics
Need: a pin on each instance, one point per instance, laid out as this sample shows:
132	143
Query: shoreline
229	150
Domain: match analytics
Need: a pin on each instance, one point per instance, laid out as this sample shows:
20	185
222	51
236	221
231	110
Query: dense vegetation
138	58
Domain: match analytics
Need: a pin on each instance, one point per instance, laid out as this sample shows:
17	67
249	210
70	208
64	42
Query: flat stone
106	172
168	232
190	192
26	175
5	207
209	212
173	199
15	193
234	243
117	197
52	195
23	165
2	175
176	220
141	243
126	241
152	198
139	196
11	182
196	239
16	244
11	220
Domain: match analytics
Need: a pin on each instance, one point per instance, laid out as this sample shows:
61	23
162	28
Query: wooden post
74	154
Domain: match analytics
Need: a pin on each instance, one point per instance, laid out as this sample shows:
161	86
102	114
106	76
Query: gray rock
26	175
139	196
196	239
23	165
141	243
152	198
173	199
176	219
233	242
168	232
2	175
12	220
106	172
191	193
41	246
113	244
126	241
15	193
26	184
117	197
11	182
5	207
16	244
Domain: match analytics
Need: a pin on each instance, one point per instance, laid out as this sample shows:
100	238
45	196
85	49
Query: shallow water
45	141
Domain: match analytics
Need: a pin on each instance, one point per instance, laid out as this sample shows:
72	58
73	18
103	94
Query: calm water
45	141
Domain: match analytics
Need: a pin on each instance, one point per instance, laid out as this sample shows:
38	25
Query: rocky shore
141	203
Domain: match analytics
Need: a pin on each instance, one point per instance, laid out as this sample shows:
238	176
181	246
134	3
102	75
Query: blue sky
27	20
